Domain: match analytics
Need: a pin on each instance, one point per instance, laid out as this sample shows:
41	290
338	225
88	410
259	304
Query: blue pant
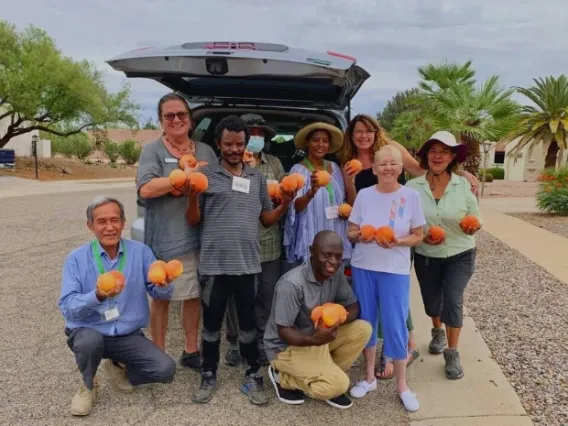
389	294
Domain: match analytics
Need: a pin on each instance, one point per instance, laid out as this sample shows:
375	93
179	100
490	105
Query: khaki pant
320	371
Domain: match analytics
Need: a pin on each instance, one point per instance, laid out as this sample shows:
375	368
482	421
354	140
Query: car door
260	74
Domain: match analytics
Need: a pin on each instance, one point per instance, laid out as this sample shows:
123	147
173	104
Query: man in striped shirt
229	212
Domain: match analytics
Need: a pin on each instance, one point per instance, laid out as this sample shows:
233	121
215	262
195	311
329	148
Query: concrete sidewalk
539	245
483	397
18	187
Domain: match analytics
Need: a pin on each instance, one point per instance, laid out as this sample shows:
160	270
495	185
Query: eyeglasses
171	115
436	152
365	132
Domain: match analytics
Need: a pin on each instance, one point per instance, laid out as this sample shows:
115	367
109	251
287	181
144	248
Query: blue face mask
256	143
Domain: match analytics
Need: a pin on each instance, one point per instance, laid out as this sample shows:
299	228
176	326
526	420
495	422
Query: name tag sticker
111	314
241	184
170	160
332	212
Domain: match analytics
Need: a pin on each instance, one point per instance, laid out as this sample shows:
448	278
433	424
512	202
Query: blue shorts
388	294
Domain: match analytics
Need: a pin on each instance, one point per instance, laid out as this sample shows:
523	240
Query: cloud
390	39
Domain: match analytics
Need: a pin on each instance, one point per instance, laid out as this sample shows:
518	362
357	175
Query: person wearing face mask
270	243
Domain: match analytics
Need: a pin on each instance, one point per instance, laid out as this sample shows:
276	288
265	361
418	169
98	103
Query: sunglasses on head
255	122
171	115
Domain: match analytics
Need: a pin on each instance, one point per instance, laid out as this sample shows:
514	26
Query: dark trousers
214	297
144	361
442	284
267	280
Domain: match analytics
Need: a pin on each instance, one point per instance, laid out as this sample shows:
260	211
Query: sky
516	39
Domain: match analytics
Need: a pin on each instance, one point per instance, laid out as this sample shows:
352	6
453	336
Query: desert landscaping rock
552	223
522	311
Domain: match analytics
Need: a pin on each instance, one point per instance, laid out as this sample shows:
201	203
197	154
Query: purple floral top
301	228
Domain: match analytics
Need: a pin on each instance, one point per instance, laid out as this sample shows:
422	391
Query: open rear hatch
248	73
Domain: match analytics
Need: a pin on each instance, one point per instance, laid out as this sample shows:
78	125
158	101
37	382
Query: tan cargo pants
320	371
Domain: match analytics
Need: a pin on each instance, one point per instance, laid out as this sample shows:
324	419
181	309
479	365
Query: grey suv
289	87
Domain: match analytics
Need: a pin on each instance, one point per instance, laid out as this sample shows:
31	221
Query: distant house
525	168
21	144
120	135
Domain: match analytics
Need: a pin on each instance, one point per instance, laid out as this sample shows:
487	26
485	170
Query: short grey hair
101	201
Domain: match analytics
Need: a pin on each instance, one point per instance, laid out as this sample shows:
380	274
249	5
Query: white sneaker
363	388
409	400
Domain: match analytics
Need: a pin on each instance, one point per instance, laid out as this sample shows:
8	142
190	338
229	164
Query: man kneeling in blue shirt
109	325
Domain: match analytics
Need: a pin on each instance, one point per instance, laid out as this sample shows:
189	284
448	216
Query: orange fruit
470	223
344	210
436	233
323	177
367	231
384	234
120	278
177	178
106	282
198	182
187	160
247	155
300	179
157	274
289	183
174	269
355	165
158	263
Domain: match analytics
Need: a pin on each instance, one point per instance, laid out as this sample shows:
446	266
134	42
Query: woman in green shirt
445	266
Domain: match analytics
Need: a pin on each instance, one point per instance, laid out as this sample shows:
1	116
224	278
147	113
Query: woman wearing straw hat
315	207
444	266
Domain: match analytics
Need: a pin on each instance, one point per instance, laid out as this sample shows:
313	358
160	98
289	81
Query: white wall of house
21	144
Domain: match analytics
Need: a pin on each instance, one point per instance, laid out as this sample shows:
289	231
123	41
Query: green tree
130	151
42	89
150	125
400	103
546	122
411	128
441	76
473	114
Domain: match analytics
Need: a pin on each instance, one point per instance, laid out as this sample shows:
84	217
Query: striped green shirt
456	202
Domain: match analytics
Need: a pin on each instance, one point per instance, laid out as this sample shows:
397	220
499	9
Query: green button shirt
270	238
456	202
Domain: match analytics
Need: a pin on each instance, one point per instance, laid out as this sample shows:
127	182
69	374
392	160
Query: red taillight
341	55
347	271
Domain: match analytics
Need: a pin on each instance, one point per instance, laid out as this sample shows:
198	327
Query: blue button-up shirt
79	304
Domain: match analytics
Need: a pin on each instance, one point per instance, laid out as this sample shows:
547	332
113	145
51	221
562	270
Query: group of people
262	265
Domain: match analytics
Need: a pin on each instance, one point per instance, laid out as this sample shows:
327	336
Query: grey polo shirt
166	230
230	243
296	294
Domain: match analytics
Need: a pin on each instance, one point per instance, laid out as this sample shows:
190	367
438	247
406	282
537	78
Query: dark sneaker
453	366
253	387
438	342
233	358
342	402
191	360
287	396
207	388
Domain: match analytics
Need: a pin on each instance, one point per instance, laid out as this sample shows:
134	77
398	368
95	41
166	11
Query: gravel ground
552	223
39	375
510	188
521	311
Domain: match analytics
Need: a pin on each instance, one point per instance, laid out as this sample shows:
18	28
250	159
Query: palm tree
436	77
473	114
546	122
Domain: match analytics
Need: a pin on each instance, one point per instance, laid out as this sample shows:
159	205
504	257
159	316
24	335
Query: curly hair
422	156
349	150
232	123
173	96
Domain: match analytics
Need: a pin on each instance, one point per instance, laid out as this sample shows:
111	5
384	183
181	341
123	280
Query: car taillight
347	271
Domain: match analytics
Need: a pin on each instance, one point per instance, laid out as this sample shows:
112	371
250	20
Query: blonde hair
349	150
391	150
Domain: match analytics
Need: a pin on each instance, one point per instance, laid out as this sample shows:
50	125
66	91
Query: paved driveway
38	375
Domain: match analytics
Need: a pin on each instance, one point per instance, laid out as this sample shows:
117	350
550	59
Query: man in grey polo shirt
306	360
229	212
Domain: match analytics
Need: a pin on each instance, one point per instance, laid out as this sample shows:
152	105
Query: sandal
384	360
415	354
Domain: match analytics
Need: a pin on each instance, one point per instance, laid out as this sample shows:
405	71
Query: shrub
488	176
497	173
552	194
82	146
112	151
130	151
